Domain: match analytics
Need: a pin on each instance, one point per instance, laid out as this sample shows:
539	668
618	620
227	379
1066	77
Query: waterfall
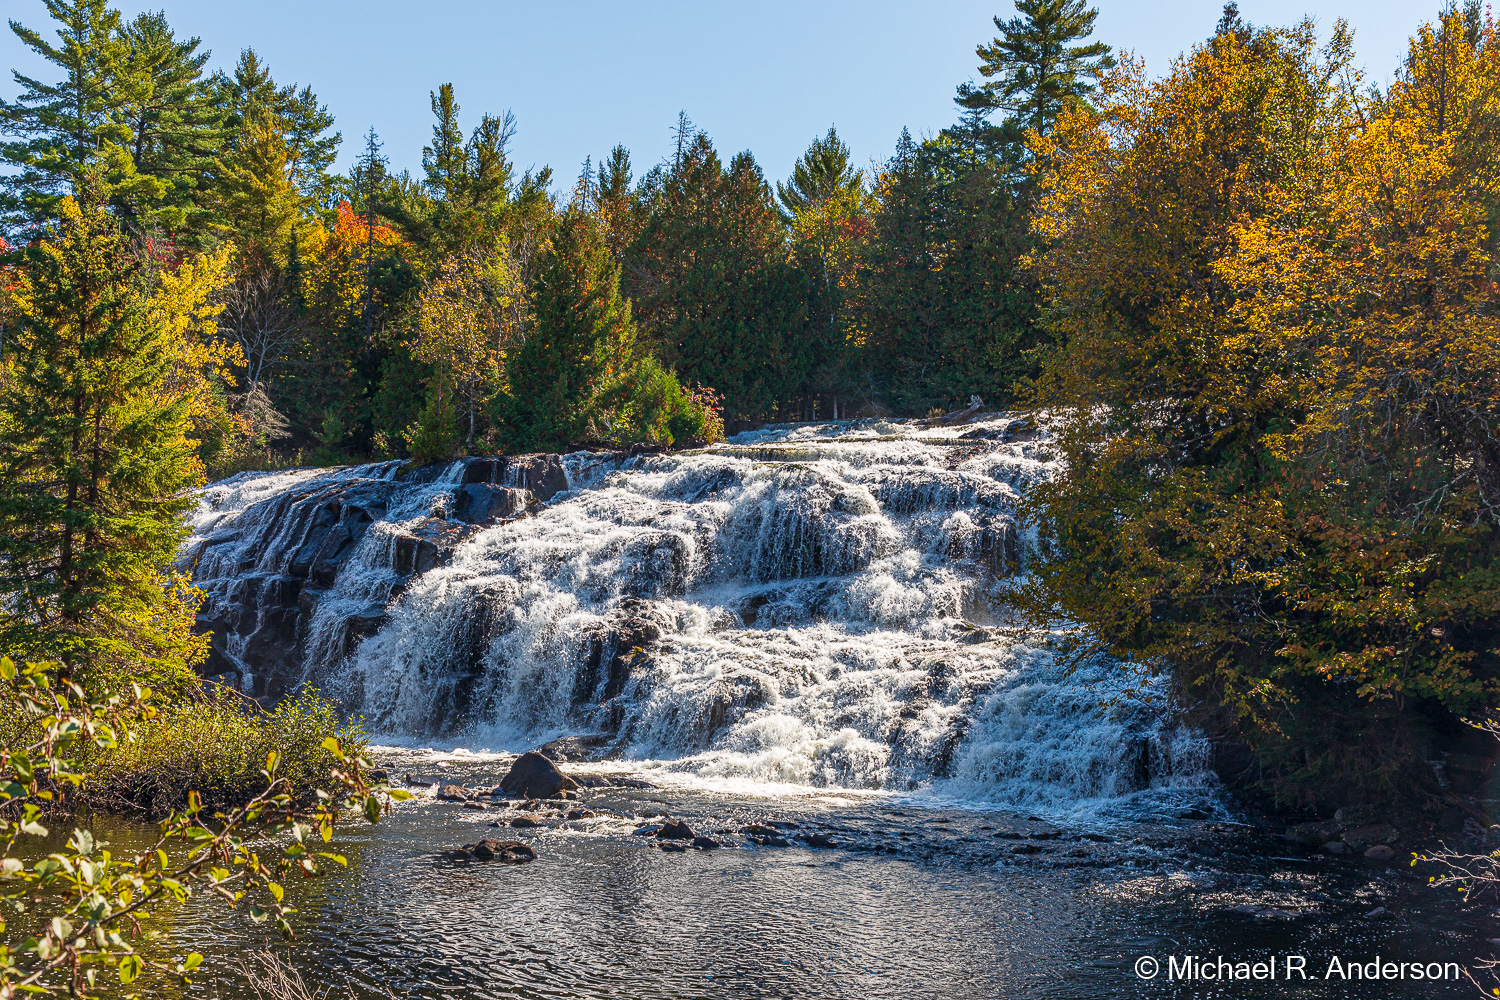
809	604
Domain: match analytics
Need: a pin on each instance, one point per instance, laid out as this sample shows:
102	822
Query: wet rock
601	781
1025	849
571	749
1379	913
1097	838
649	830
475	805
705	843
1335	847
1263	912
1380	853
673	846
1314	834
767	838
526	821
512	851
818	840
676	830
455	793
1364	837
543	475
576	814
377	776
533	776
482	503
415	782
760	830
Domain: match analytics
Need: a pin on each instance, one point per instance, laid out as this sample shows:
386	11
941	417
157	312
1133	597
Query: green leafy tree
581	346
95	459
252	99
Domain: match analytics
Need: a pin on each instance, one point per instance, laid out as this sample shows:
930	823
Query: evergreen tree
445	161
1033	70
174	121
95	457
581	346
709	275
65	132
250	95
490	172
821	174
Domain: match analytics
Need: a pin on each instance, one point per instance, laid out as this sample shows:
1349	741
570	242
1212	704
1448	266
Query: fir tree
95	457
821	174
250	95
445	161
581	344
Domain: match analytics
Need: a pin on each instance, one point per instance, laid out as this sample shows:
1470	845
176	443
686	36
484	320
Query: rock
1314	834
1097	838
817	840
566	794
377	776
649	830
1363	837
482	503
1355	815
581	814
502	850
676	830
570	749
760	830
475	805
543	475
523	822
420	782
1380	853
533	776
1335	847
454	793
673	846
705	843
770	840
1025	849
1379	913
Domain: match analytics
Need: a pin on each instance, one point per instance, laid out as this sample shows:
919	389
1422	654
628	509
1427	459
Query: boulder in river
675	830
513	851
1380	853
454	793
705	843
523	822
1364	837
533	776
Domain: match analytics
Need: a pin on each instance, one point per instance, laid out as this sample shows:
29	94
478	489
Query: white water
825	599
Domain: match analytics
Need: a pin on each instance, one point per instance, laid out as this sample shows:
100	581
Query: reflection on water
913	902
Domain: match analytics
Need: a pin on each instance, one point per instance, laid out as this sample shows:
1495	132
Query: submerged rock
533	776
705	843
455	793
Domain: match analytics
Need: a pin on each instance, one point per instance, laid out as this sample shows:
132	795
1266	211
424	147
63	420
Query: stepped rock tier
812	604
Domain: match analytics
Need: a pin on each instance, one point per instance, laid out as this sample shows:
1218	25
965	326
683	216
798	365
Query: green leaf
130	968
399	794
7	668
272	759
192	962
372	808
20	763
336	858
276	890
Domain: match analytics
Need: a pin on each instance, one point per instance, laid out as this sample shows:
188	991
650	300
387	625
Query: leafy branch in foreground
89	904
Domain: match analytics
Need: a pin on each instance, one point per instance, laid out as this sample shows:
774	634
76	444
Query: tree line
1253	299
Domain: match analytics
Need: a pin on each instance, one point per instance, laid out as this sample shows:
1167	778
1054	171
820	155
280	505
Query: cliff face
299	573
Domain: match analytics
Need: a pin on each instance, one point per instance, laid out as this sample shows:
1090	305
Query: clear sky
583	75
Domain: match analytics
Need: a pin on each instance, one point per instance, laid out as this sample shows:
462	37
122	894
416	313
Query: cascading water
812	604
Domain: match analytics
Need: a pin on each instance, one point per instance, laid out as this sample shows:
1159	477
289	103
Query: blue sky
584	75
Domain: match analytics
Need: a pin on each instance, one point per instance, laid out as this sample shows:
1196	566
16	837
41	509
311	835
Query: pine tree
73	130
175	124
251	95
372	172
95	458
490	172
1032	69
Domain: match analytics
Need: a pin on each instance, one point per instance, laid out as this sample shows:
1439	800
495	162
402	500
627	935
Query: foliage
1276	395
102	383
82	906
